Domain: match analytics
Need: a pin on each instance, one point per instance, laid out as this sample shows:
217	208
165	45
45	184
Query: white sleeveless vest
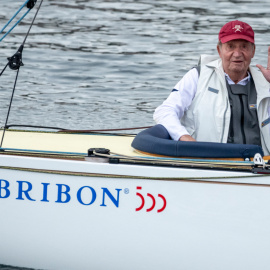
208	117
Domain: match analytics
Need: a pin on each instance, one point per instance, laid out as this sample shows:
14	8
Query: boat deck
66	143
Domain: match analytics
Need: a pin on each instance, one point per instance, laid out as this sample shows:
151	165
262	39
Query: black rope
4	131
4	69
31	4
15	62
32	126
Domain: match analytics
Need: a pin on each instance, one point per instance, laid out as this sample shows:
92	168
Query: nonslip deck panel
67	143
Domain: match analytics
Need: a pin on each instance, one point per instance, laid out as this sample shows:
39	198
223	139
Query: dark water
109	64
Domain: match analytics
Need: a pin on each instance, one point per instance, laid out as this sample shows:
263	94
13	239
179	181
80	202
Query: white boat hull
64	214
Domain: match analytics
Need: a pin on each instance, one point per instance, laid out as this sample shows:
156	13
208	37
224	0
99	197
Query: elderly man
224	99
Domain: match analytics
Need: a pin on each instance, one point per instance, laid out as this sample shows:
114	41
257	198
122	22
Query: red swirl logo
153	202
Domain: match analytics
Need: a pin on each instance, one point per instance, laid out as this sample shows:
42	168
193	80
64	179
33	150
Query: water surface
108	64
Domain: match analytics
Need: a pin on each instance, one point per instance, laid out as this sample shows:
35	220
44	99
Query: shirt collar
242	82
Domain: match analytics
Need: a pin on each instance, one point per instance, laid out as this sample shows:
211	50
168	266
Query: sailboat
84	199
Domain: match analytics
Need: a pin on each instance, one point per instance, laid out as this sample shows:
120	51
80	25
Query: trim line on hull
176	179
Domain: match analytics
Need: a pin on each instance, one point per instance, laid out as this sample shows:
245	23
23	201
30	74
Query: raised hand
266	71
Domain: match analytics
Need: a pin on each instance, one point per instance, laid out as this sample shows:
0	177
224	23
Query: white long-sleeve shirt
173	108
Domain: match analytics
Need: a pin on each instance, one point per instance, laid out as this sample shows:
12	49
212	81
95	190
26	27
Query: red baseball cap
236	30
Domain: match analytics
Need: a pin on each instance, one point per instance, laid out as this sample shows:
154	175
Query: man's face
236	56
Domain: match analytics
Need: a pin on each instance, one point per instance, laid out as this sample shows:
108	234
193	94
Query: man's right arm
173	108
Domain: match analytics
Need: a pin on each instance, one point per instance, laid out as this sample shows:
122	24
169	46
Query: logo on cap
238	28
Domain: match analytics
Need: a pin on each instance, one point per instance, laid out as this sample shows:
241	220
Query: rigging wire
3	69
14	87
1	31
15	62
30	4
